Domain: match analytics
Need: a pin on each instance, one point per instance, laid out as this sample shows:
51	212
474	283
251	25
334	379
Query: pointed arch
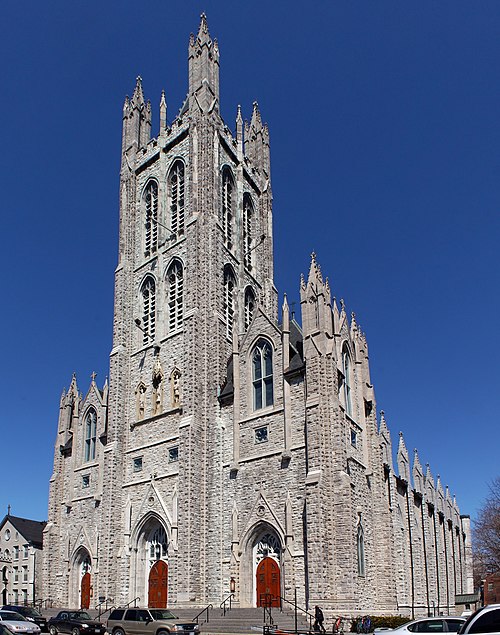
227	206
176	192
250	303
262	374
90	432
229	299
148	299
360	548
150	206
347	380
248	219
140	395
175	295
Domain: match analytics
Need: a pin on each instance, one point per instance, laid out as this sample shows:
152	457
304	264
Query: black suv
29	613
75	622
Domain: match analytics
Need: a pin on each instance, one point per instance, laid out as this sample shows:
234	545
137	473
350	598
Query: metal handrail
224	602
108	609
206	609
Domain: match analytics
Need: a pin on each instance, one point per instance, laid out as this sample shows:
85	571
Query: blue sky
385	137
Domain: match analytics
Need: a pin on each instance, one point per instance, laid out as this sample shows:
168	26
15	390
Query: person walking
319	618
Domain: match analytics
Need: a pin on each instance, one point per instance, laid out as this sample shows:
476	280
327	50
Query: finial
239	118
93	376
8	510
400	435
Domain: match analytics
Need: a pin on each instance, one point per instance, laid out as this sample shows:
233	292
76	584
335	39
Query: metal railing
108	609
267	600
223	604
205	610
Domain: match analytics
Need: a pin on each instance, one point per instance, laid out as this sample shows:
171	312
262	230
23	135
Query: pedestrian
319	618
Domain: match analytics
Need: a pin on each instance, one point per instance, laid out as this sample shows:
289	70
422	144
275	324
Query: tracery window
176	182
90	434
229	305
247	231
175	280
151	217
148	293
249	307
360	545
262	375
157	546
227	211
268	545
346	366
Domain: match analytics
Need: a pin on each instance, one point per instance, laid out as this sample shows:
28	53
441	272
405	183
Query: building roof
467	598
31	530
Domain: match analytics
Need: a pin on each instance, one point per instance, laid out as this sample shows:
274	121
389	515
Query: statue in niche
157	387
141	400
175	383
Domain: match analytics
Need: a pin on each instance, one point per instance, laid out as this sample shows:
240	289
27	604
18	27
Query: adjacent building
20	560
234	449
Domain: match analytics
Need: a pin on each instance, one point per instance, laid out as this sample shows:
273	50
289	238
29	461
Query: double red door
268	583
157	592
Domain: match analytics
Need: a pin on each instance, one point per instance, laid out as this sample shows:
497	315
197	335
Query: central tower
195	263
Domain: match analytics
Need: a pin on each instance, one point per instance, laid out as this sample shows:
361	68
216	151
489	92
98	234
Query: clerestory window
247	231
229	303
262	375
176	182
90	434
151	217
148	294
175	280
227	209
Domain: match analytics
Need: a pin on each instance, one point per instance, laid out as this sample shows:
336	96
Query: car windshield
79	615
27	610
13	617
162	614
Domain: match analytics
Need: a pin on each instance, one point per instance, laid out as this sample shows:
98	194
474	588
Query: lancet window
262	375
247	231
148	293
227	211
175	281
360	547
90	434
346	367
229	303
249	307
176	182
151	217
157	546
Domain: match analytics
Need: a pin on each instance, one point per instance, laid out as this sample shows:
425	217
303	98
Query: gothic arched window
360	548
262	375
176	185
227	209
151	217
346	368
157	546
148	293
247	231
229	309
90	434
175	281
249	306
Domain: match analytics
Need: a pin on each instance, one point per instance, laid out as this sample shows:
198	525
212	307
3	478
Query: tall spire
203	71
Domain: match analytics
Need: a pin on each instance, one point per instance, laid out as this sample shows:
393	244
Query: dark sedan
76	623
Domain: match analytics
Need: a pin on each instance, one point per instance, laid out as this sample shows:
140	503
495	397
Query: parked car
441	624
29	613
484	620
75	622
16	623
148	622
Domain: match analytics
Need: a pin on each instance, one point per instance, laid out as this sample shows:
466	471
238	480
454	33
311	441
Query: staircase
248	620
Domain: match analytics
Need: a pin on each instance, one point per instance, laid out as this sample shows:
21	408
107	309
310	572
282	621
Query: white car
17	624
441	624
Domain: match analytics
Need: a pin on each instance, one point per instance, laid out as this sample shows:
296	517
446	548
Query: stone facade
244	453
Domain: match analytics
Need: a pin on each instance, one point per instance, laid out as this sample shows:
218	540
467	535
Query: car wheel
52	630
163	632
75	631
118	631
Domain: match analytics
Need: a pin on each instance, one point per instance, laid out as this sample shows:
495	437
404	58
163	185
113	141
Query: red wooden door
157	592
268	583
85	594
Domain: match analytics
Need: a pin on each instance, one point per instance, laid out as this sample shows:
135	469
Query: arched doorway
157	587
268	583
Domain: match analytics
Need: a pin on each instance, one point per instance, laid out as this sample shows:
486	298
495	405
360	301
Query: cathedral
234	450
